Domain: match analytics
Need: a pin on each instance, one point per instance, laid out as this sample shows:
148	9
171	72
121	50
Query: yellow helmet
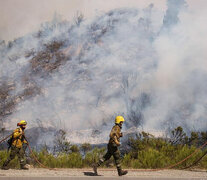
119	119
22	122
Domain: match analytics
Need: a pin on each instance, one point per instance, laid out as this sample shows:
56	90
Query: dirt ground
40	172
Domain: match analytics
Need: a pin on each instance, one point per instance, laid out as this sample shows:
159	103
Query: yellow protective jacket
115	135
18	138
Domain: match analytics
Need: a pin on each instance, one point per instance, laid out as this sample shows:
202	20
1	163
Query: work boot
23	167
95	168
96	165
5	167
122	172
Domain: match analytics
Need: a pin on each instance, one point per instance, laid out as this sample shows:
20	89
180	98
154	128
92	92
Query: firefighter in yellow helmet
17	142
112	147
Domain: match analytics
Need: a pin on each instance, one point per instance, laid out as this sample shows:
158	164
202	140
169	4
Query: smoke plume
144	64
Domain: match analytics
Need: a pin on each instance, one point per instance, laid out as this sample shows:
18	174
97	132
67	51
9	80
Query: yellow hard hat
119	119
22	122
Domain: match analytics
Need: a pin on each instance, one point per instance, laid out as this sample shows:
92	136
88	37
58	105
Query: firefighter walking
112	147
17	142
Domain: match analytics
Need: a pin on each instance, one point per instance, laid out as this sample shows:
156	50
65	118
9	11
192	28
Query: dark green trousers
112	150
20	154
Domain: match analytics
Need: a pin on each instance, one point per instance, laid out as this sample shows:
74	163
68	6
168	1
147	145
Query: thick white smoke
147	65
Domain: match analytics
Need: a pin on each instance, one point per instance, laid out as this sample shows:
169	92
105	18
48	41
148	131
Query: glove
118	144
116	141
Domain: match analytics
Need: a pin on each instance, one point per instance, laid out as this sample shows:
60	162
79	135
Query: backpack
9	141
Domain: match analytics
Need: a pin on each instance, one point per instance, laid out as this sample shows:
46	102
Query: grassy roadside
144	151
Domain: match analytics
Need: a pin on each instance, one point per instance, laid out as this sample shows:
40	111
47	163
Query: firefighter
112	147
18	146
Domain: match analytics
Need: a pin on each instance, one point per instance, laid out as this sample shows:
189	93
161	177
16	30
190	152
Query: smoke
145	65
181	74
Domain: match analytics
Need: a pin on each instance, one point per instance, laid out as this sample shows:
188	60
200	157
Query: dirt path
105	174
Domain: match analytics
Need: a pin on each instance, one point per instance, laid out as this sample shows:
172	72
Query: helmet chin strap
120	125
23	127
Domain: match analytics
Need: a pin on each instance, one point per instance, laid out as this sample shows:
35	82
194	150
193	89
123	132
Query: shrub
94	156
4	155
74	148
152	158
183	152
145	152
85	147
